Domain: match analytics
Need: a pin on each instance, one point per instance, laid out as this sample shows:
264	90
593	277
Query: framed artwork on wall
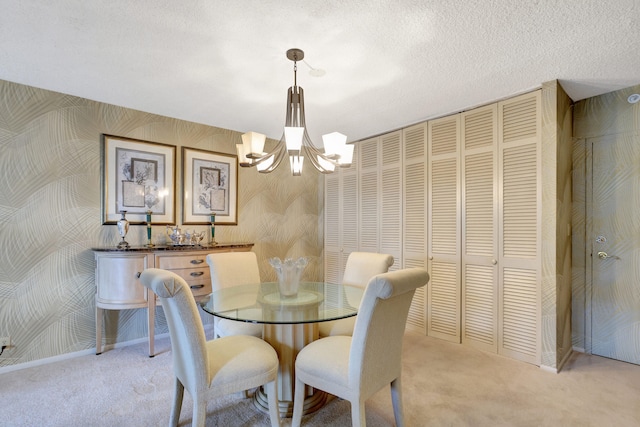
138	177
210	185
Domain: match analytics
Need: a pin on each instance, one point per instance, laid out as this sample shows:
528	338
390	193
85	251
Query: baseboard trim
549	369
73	355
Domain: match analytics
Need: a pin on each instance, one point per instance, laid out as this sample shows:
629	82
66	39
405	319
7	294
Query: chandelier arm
279	153
316	151
313	155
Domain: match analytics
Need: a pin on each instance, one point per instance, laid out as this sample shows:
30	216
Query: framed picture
210	186
137	177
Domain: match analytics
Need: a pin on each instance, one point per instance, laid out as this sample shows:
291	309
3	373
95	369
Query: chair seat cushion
325	362
240	362
226	327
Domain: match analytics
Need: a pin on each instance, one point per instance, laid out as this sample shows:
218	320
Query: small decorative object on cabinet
149	242
118	271
213	229
123	229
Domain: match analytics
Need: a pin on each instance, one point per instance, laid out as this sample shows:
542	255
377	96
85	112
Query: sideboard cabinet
118	271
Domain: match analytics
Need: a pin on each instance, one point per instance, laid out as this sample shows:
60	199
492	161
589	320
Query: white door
443	228
615	216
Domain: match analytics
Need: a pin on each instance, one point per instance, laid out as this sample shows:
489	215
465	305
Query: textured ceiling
388	64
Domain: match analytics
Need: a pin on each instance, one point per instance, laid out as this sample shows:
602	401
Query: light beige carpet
444	385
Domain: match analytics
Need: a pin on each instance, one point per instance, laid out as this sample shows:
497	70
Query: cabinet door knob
197	261
197	286
494	261
197	273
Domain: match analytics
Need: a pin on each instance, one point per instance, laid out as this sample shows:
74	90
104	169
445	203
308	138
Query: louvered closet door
349	213
369	195
332	225
443	299
520	230
414	253
341	220
479	228
391	197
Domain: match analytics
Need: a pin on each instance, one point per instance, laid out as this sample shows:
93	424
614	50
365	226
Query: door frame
588	245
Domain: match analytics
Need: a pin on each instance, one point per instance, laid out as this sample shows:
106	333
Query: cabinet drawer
173	262
199	289
200	284
194	275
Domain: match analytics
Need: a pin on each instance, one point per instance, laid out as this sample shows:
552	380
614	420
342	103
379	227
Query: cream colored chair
232	269
208	369
354	368
360	268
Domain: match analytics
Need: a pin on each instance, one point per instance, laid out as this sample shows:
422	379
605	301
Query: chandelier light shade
295	141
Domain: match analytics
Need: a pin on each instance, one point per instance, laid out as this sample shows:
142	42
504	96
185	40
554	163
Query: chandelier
295	141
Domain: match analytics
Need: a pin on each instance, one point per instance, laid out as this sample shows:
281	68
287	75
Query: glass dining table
289	323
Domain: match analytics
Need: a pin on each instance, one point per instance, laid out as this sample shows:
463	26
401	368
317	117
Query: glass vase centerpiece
289	273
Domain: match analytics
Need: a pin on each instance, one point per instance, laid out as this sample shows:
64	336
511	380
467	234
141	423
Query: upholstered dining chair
355	367
359	269
233	269
208	369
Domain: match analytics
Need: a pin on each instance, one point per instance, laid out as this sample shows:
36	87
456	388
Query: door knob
604	255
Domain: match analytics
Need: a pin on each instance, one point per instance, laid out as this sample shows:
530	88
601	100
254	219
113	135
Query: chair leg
199	411
396	399
298	403
358	418
178	393
272	396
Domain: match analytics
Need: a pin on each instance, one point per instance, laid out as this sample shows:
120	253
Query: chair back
232	269
188	340
362	266
376	346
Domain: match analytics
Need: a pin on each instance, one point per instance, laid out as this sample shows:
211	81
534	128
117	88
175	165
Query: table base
311	403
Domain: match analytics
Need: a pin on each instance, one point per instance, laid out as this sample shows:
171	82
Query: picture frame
210	185
138	176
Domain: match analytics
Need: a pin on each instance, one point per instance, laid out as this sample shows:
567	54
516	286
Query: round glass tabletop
262	303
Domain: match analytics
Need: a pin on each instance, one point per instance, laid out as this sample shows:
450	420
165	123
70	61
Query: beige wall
556	222
50	216
607	114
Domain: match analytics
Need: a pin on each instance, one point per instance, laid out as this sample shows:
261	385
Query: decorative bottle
123	229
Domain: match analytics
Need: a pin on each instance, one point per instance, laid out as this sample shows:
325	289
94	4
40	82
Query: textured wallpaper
608	114
556	223
50	216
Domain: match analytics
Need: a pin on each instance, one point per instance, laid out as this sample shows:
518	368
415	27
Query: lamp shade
253	144
242	155
346	156
333	143
293	137
296	165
